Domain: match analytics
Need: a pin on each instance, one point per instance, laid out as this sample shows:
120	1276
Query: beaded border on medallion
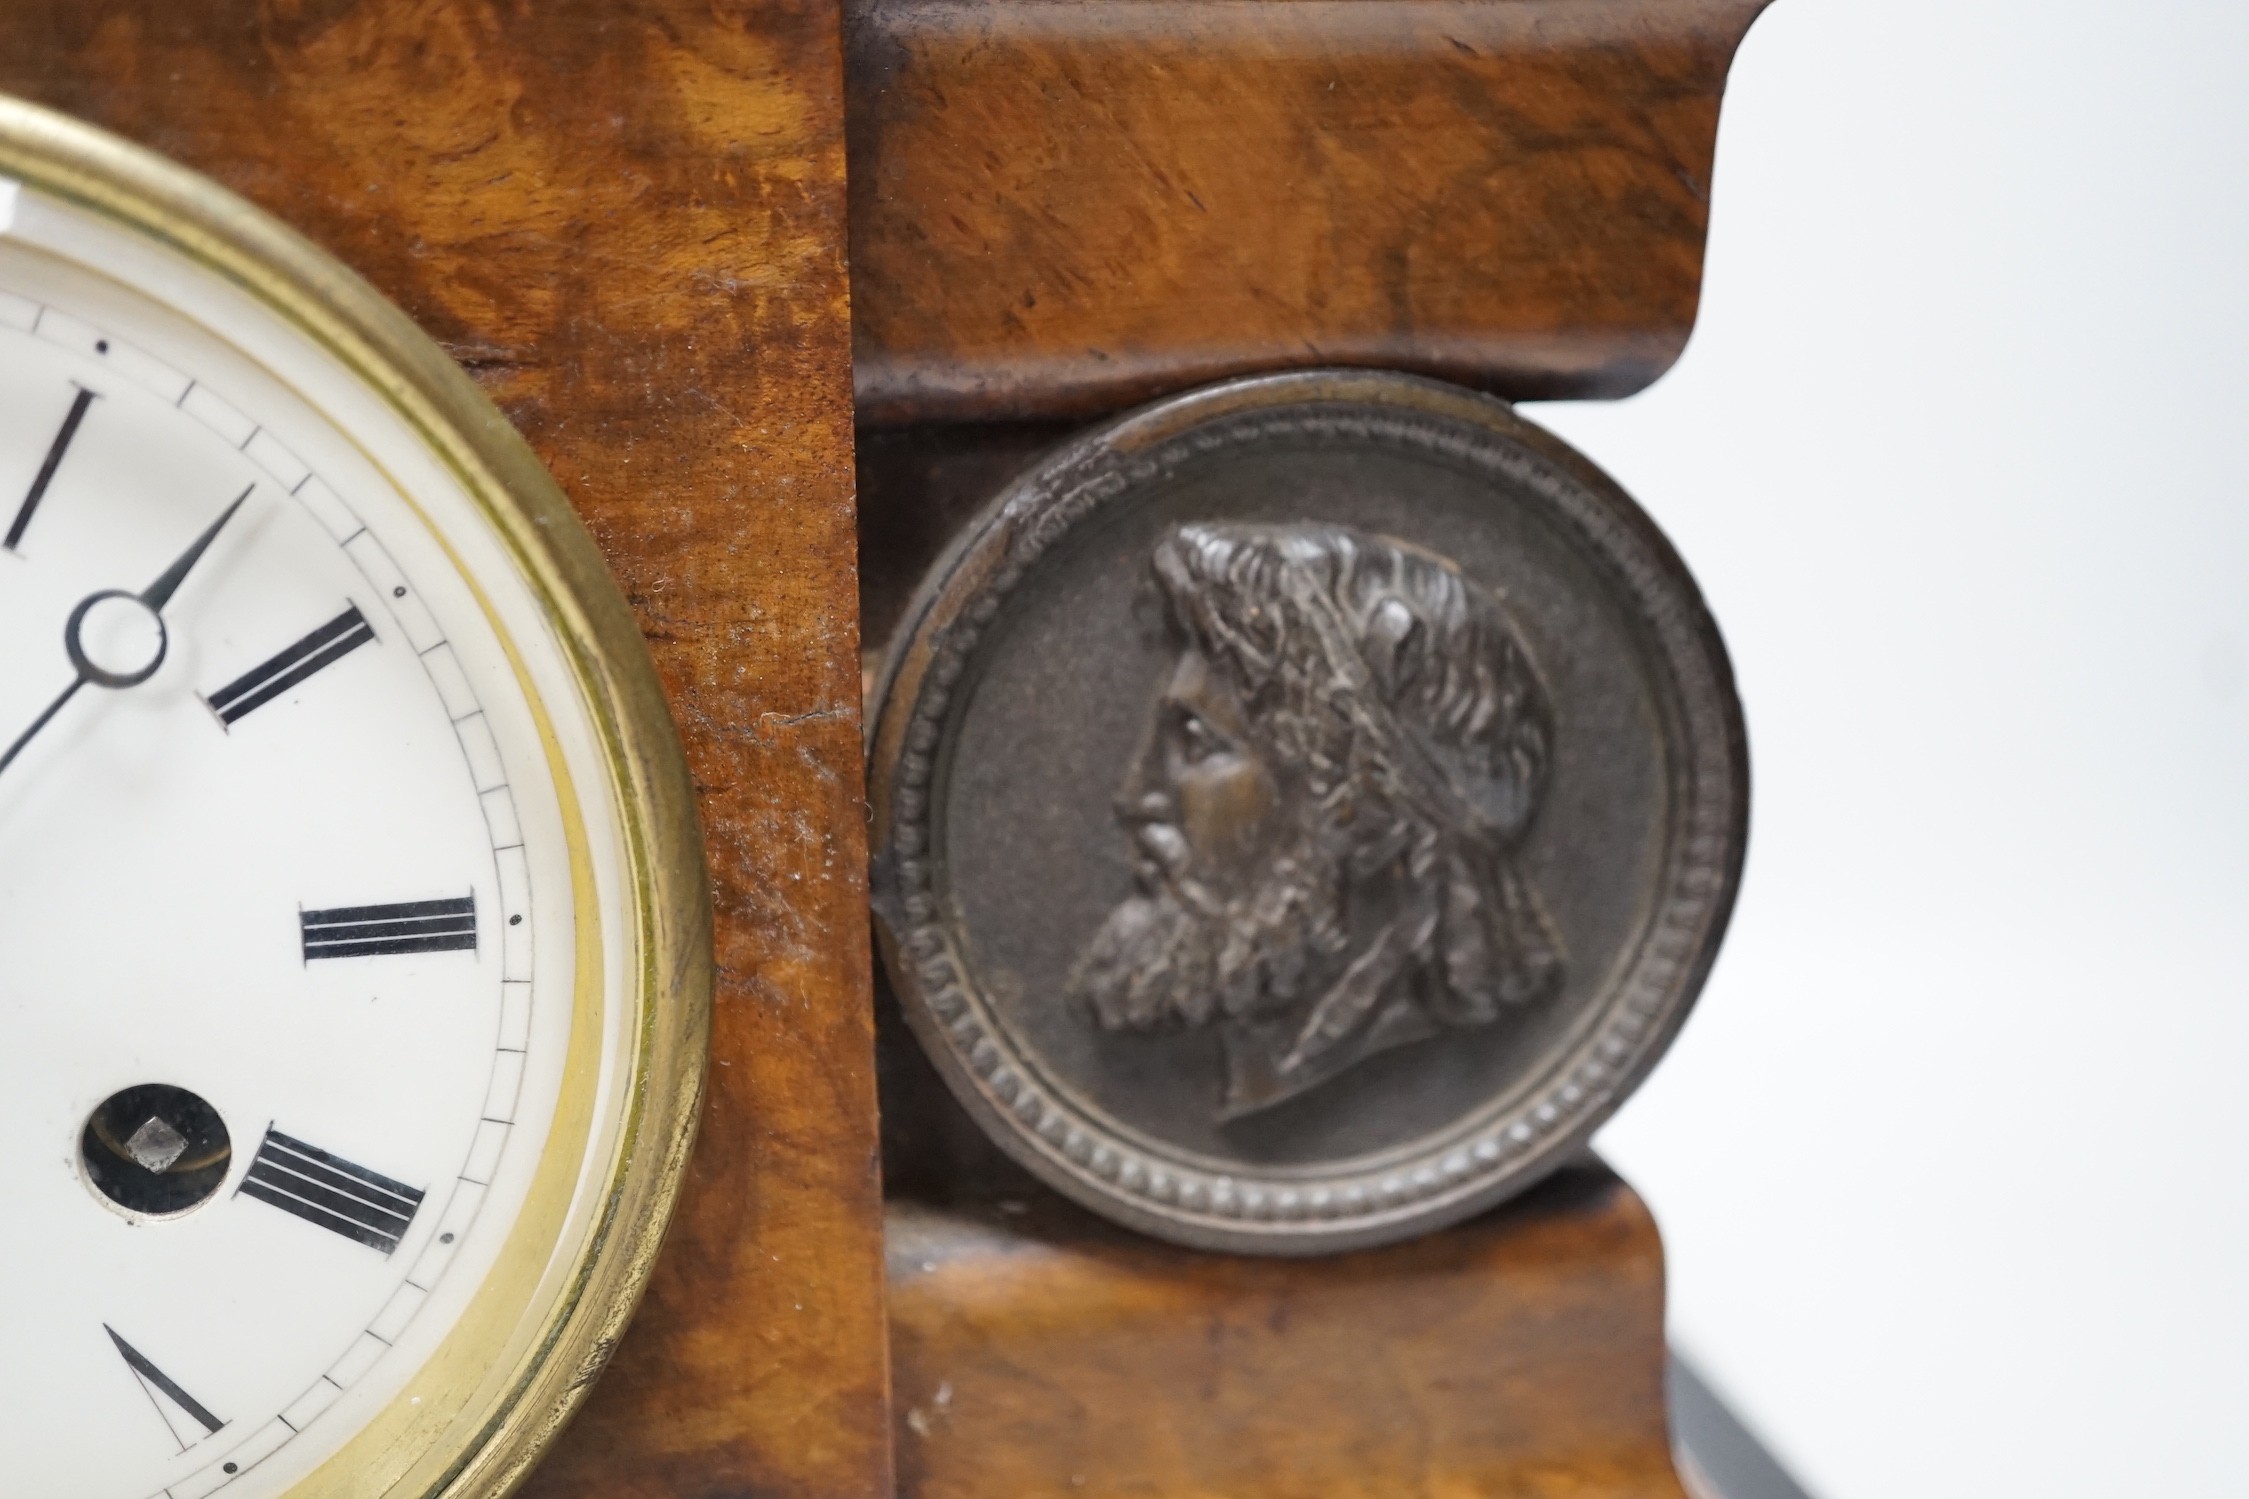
1495	1152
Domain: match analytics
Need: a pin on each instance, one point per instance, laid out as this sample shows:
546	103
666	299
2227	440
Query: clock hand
153	598
39	723
159	593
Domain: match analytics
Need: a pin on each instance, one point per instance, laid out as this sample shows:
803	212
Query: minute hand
155	597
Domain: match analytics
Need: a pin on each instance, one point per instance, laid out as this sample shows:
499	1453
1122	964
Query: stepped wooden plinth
1038	1351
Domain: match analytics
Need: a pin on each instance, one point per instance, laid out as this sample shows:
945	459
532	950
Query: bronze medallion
1304	810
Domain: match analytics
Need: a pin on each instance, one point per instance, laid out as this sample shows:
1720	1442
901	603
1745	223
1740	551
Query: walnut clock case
359	956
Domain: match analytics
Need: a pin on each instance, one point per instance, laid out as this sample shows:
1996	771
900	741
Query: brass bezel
486	1447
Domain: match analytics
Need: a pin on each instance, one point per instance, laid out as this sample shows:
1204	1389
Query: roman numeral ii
262	683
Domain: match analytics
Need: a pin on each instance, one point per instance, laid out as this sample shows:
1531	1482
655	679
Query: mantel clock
358	956
1305	797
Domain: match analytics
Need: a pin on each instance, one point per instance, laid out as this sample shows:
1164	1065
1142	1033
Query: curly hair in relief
1400	704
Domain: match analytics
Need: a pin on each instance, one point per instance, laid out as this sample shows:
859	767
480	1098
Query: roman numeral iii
262	683
329	1191
380	931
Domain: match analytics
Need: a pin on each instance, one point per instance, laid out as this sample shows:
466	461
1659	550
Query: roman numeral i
331	1192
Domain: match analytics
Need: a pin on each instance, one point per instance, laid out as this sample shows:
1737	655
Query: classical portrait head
1326	811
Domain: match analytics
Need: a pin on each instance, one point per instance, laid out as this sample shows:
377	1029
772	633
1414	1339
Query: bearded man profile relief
1326	811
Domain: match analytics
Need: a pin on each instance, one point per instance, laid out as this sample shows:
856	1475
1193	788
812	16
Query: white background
1951	1159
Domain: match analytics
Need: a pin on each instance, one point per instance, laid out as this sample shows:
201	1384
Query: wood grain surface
626	218
1040	1352
1062	207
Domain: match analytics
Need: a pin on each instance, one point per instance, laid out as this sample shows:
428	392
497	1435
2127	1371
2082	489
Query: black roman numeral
330	1191
262	683
155	1382
380	931
46	474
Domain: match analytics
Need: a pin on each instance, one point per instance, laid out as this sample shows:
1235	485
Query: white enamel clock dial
324	993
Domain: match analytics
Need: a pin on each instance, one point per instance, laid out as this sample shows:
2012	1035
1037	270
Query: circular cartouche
1304	810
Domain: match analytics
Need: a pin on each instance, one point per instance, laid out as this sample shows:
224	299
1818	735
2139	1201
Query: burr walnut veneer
1040	1351
1062	207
